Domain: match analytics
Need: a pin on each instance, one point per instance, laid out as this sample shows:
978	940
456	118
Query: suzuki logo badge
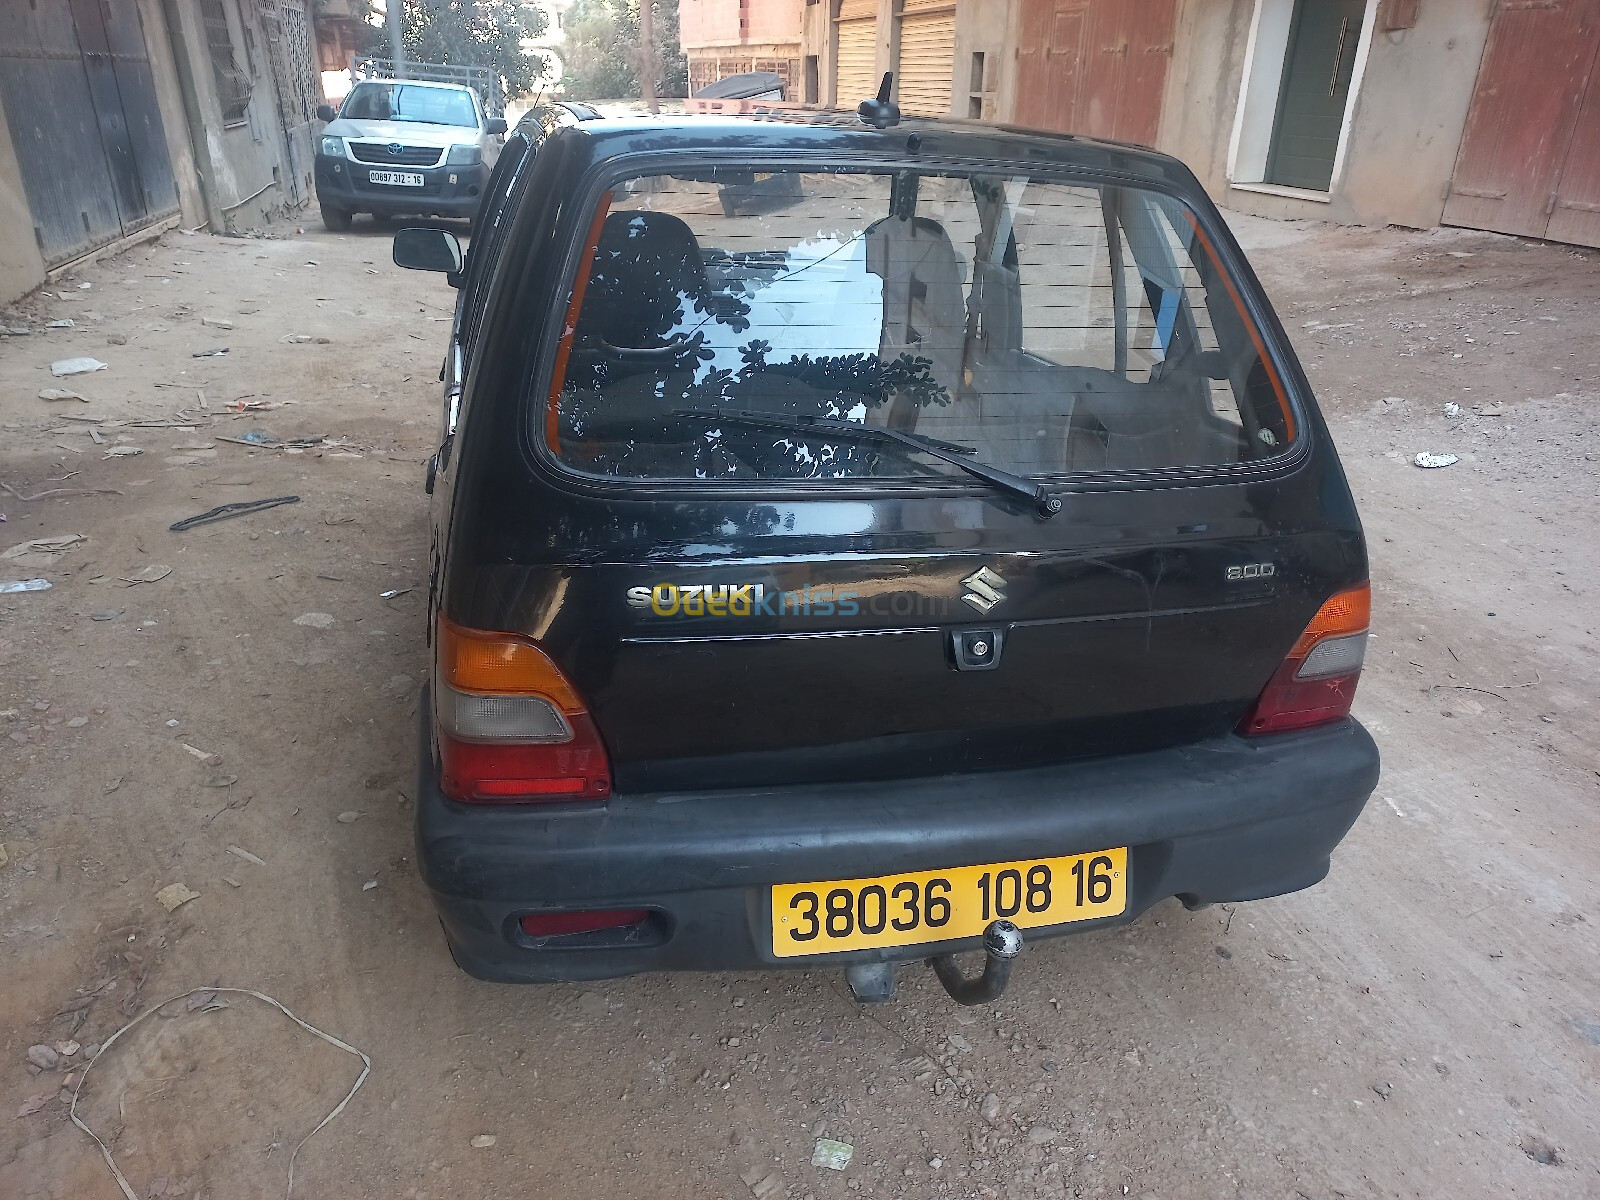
985	589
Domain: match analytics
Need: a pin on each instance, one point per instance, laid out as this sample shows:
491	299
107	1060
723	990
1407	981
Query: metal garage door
1530	157
81	105
927	57
856	40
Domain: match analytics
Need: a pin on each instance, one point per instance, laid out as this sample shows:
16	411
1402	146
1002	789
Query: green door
1316	83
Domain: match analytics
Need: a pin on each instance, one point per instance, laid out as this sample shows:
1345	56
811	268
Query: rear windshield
1034	325
400	102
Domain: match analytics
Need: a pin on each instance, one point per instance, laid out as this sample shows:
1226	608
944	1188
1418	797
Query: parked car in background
855	545
753	85
400	147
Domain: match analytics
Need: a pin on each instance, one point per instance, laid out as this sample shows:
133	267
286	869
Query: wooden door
1528	164
1575	209
1095	67
1048	64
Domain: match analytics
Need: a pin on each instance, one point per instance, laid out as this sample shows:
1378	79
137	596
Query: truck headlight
333	147
464	156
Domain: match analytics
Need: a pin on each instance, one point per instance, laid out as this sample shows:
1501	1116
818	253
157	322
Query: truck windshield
1044	327
408	103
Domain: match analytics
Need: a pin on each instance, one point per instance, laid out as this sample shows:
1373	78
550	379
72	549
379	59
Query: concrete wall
986	27
816	41
716	22
242	163
1404	124
174	120
1410	115
1202	91
21	265
775	21
707	23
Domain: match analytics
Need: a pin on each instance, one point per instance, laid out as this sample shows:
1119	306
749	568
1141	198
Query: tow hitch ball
873	982
1002	942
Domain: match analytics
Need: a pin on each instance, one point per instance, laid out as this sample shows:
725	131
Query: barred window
233	84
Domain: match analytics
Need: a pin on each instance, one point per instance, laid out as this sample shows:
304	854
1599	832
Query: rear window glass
1036	326
409	104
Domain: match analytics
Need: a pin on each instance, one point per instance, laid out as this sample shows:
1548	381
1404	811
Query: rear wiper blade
948	452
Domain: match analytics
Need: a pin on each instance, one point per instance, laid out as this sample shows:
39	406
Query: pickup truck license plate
403	178
937	906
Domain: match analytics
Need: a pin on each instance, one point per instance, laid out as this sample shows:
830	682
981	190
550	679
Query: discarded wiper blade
948	452
238	509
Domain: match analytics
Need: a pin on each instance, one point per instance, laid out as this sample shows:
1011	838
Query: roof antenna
880	112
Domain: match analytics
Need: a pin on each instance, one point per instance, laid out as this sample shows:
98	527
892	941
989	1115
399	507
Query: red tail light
509	726
558	923
1316	683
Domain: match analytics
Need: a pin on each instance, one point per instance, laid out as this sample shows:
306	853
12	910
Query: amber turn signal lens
501	664
1345	613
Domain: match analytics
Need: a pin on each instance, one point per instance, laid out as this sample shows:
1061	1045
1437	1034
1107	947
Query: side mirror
325	112
428	250
498	126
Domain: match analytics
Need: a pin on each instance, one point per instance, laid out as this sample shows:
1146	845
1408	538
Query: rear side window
1039	326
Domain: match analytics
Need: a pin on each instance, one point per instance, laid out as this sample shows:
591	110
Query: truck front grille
395	155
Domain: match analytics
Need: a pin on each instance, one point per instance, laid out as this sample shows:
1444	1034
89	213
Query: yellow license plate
937	906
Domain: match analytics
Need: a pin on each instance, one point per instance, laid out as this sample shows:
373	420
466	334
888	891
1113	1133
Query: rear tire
336	220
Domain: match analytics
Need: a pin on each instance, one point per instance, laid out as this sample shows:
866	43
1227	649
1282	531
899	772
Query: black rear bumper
1232	819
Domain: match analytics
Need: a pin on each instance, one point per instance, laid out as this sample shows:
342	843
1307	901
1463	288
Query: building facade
734	37
1478	113
120	118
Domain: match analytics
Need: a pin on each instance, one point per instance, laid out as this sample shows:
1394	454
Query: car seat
646	279
924	307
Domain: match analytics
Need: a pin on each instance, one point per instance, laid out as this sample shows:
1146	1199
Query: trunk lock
976	649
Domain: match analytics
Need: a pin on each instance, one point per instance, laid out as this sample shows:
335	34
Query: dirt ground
1426	1023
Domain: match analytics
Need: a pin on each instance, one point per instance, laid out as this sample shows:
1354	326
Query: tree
674	66
602	50
472	33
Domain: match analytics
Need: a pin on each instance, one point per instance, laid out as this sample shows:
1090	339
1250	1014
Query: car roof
575	109
832	133
424	83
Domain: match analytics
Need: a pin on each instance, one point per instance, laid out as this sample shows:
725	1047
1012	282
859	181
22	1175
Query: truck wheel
336	220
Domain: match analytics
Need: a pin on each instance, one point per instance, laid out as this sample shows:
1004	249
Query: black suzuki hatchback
858	544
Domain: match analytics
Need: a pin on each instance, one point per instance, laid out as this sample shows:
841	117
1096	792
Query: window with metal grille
233	84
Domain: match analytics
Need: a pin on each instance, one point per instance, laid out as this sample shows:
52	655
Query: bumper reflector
556	924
